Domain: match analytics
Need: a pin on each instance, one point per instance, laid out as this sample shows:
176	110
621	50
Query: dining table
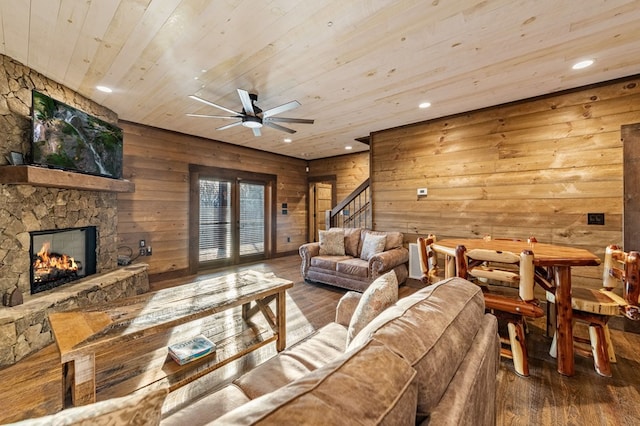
555	258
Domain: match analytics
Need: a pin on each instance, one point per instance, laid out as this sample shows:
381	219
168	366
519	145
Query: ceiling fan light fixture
251	122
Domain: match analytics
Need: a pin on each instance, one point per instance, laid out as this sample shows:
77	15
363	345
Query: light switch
422	191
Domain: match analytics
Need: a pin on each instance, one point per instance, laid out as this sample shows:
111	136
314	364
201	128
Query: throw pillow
351	241
372	245
331	242
381	294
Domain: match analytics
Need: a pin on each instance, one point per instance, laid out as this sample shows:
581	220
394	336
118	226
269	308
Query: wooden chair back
623	267
428	259
501	266
483	265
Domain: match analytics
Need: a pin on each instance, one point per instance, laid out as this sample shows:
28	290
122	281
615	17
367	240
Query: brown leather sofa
430	359
349	270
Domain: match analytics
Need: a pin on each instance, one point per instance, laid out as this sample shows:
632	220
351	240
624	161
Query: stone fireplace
31	214
60	256
55	201
30	210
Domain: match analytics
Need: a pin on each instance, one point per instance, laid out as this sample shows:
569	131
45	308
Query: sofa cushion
453	309
385	398
316	350
381	294
355	267
321	347
372	245
141	408
271	375
394	239
327	262
208	408
332	242
351	241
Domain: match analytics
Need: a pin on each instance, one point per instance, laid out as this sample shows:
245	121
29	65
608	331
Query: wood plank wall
535	167
157	161
350	171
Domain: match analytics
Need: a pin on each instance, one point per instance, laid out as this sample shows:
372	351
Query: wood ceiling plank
15	27
118	34
67	31
93	29
41	33
131	63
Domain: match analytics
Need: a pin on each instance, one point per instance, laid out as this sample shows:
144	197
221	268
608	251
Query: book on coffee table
191	349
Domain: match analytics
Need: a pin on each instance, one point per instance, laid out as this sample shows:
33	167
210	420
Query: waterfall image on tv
67	138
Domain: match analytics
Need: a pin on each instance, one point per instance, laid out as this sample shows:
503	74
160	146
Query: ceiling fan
252	116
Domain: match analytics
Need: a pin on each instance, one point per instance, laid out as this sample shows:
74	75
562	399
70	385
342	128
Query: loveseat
353	258
431	358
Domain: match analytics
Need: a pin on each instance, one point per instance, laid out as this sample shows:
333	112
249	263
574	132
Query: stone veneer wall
25	328
27	208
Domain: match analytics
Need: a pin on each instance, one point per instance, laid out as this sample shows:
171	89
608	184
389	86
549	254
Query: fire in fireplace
62	256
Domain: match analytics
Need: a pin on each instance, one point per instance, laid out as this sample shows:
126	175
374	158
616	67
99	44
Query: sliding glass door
232	225
215	220
252	225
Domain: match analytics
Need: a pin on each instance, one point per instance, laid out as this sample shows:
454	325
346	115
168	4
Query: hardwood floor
545	397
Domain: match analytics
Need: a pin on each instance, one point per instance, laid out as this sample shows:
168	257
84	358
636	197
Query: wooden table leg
83	389
281	319
564	320
277	322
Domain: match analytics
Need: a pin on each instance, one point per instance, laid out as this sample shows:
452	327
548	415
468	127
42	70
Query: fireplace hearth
61	256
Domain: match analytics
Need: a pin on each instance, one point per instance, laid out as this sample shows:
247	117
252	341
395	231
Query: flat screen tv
66	138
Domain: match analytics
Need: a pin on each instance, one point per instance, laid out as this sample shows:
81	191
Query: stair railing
352	212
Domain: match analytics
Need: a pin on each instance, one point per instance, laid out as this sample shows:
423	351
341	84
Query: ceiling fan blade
278	127
246	101
288	120
230	125
256	132
204	101
281	108
215	116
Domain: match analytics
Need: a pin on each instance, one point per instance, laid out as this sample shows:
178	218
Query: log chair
428	259
596	306
486	266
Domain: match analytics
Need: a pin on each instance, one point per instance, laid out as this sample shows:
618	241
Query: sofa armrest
346	307
307	251
387	260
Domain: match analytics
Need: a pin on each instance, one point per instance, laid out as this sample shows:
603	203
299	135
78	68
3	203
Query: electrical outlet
149	252
288	239
595	218
143	252
143	243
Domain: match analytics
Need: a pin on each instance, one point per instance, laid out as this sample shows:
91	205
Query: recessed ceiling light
425	105
104	89
287	140
582	64
348	147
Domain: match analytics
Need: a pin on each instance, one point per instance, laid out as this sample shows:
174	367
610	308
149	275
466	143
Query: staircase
352	212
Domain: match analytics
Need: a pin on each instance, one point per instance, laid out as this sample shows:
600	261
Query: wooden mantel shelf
54	178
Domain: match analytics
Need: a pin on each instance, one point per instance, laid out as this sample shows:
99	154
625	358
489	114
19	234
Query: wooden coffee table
131	326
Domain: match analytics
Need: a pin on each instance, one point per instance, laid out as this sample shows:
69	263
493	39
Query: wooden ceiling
356	66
